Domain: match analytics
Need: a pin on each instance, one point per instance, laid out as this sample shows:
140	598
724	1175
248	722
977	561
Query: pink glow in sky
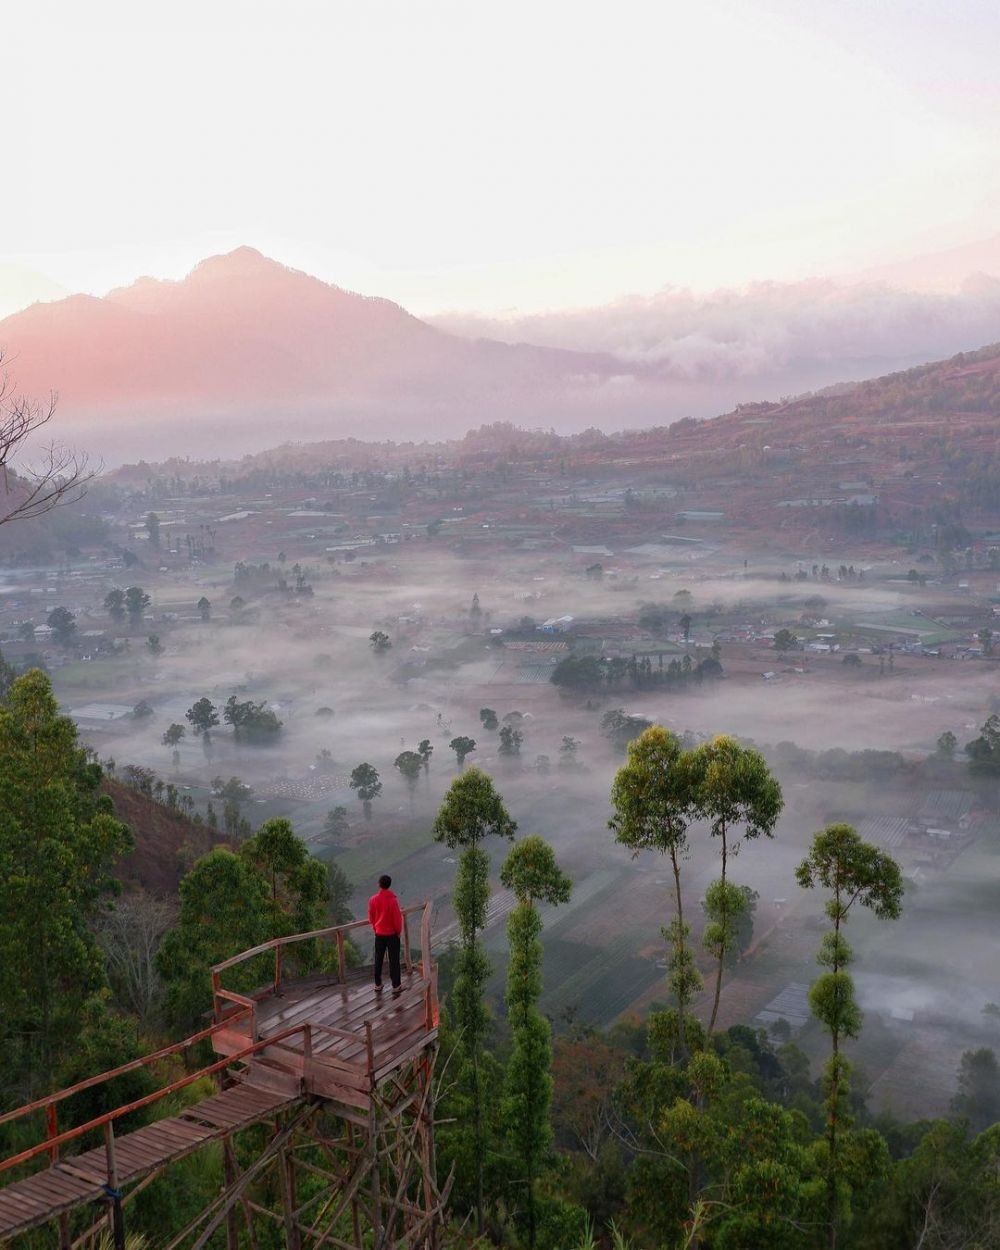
496	156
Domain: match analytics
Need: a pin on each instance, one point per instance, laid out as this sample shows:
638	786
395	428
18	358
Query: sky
497	157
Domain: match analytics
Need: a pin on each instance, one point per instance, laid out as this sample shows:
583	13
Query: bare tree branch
60	476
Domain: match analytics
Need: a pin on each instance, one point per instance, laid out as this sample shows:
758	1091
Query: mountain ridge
243	337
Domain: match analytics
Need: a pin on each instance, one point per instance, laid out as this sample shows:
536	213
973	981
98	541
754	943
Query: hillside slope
165	840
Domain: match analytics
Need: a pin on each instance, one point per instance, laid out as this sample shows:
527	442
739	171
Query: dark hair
385	881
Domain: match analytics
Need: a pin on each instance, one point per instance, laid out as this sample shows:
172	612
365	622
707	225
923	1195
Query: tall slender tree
654	799
472	811
853	871
736	793
530	871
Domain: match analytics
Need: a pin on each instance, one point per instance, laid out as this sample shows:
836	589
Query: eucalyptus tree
654	798
367	784
204	716
462	746
472	810
736	793
409	765
853	871
530	871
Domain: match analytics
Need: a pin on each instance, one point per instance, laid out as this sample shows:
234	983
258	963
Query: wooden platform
348	1036
292	1043
81	1179
340	1036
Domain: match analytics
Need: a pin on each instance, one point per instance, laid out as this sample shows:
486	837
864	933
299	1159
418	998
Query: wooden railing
54	1139
337	934
232	1012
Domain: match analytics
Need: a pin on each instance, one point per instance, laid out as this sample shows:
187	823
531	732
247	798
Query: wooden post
375	1177
114	1194
355	1209
216	1000
341	963
277	969
52	1130
407	953
425	942
230	1174
427	1161
286	1181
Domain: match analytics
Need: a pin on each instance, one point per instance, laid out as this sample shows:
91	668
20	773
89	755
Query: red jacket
384	915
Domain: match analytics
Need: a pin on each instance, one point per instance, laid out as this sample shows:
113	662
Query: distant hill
892	454
947	270
242	342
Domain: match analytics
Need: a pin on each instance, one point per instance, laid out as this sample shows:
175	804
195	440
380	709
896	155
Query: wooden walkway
73	1182
328	1038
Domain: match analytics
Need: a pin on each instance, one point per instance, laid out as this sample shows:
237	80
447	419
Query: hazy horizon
505	163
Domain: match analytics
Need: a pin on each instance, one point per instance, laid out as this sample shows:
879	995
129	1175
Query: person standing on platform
386	919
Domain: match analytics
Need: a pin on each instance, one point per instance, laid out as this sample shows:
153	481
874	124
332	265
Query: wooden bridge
339	1074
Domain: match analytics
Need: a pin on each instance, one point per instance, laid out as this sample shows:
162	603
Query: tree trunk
681	1020
834	1096
722	953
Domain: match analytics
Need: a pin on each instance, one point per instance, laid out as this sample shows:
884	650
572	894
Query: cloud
763	330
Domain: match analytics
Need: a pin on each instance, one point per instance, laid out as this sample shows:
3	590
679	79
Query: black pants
383	945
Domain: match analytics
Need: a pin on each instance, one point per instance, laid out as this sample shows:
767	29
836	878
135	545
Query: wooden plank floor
36	1199
348	1008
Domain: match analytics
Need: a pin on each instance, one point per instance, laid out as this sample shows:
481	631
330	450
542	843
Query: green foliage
654	799
984	752
785	640
977	1099
853	871
462	746
472	810
510	741
230	902
297	880
114	604
736	793
336	824
136	603
410	765
203	716
488	718
59	840
63	625
367	785
225	908
253	722
531	872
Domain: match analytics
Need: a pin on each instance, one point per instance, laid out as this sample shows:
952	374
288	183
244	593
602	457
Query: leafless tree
60	475
130	935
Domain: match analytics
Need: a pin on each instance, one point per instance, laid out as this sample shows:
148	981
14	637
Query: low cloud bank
762	330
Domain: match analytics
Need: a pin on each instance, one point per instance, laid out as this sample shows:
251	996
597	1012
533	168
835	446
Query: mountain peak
242	260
